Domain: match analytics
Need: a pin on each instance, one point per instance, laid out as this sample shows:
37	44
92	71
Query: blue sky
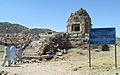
53	14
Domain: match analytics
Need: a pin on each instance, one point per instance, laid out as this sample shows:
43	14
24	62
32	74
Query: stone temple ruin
79	21
78	26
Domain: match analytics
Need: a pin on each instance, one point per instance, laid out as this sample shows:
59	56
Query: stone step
31	51
31	54
31	57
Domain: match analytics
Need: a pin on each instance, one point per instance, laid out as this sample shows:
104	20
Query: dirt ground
75	62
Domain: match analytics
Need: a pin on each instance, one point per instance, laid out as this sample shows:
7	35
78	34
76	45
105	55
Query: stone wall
76	39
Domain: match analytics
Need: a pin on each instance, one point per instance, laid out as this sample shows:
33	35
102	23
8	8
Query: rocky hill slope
6	27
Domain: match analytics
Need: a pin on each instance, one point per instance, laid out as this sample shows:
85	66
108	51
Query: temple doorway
75	27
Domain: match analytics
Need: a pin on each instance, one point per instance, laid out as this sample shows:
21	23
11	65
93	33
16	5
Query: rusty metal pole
115	52
115	56
89	57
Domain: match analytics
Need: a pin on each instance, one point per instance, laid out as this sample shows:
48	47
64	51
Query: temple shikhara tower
79	21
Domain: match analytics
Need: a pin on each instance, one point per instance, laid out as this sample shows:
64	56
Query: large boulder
105	48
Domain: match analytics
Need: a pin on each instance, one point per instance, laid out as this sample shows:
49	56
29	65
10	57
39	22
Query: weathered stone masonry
79	21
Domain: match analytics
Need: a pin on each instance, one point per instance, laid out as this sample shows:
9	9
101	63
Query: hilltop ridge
6	27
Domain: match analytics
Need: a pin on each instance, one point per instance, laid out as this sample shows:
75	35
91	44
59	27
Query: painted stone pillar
70	28
80	28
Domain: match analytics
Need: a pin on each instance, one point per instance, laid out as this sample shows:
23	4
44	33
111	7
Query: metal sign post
90	63
115	57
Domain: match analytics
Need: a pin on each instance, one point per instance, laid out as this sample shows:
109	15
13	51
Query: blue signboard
102	36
